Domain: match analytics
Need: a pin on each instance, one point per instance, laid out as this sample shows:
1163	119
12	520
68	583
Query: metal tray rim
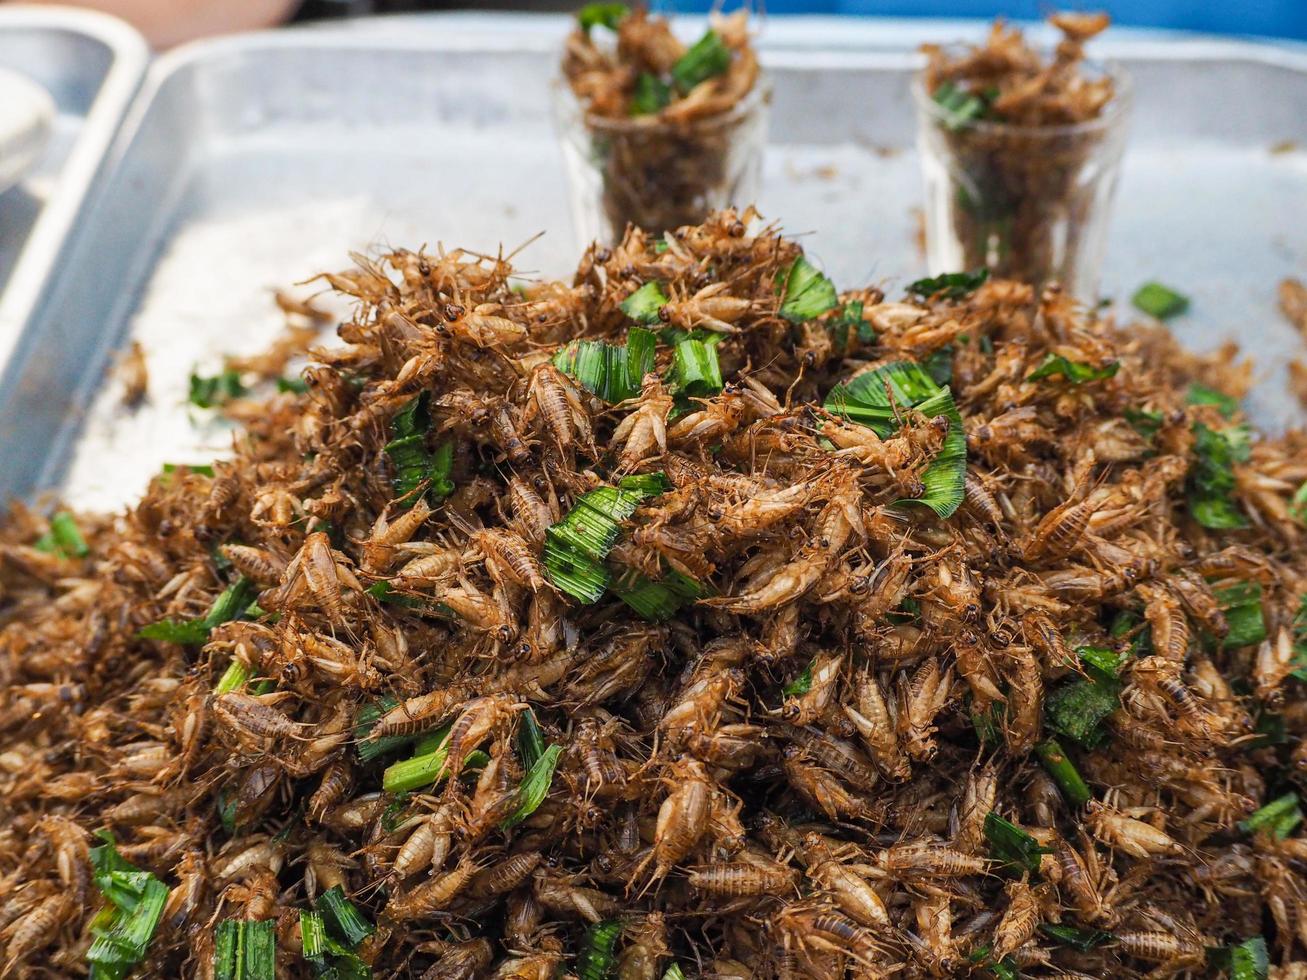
54	226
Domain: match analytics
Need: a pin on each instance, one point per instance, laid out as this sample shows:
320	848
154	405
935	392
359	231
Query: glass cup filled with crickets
656	133
1021	152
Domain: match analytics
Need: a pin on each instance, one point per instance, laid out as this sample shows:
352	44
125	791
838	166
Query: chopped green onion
950	285
215	391
1159	301
960	106
800	685
1073	372
233	678
651	95
530	739
614	373
1279	817
231	604
1203	395
595	961
645	304
808	293
1064	772
1242	606
1011	845
342	917
707	58
292	385
534	787
1081	939
875	398
607	15
1211	482
245	950
695	368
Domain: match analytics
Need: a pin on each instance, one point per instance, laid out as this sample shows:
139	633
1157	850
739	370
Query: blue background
1276	18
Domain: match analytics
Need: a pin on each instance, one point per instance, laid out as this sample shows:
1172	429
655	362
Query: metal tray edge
52	229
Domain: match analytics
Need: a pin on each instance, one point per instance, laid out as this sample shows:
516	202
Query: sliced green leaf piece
960	106
800	685
613	372
210	392
1198	394
343	918
707	58
231	603
1074	372
808	293
695	368
607	15
875	399
651	95
595	961
950	285
645	304
1242	606
1011	845
1211	481
1064	772
530	739
1075	937
1279	817
534	787
1159	301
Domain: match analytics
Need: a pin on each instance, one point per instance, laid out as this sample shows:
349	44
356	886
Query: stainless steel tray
253	162
92	65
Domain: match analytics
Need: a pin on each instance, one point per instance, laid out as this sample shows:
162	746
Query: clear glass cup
1029	202
658	174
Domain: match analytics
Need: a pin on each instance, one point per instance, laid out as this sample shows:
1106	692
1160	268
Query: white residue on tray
211	295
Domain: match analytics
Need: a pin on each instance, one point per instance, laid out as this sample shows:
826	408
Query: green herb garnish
210	392
950	285
645	304
651	95
1073	372
1011	845
876	399
607	15
1159	301
707	58
808	293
